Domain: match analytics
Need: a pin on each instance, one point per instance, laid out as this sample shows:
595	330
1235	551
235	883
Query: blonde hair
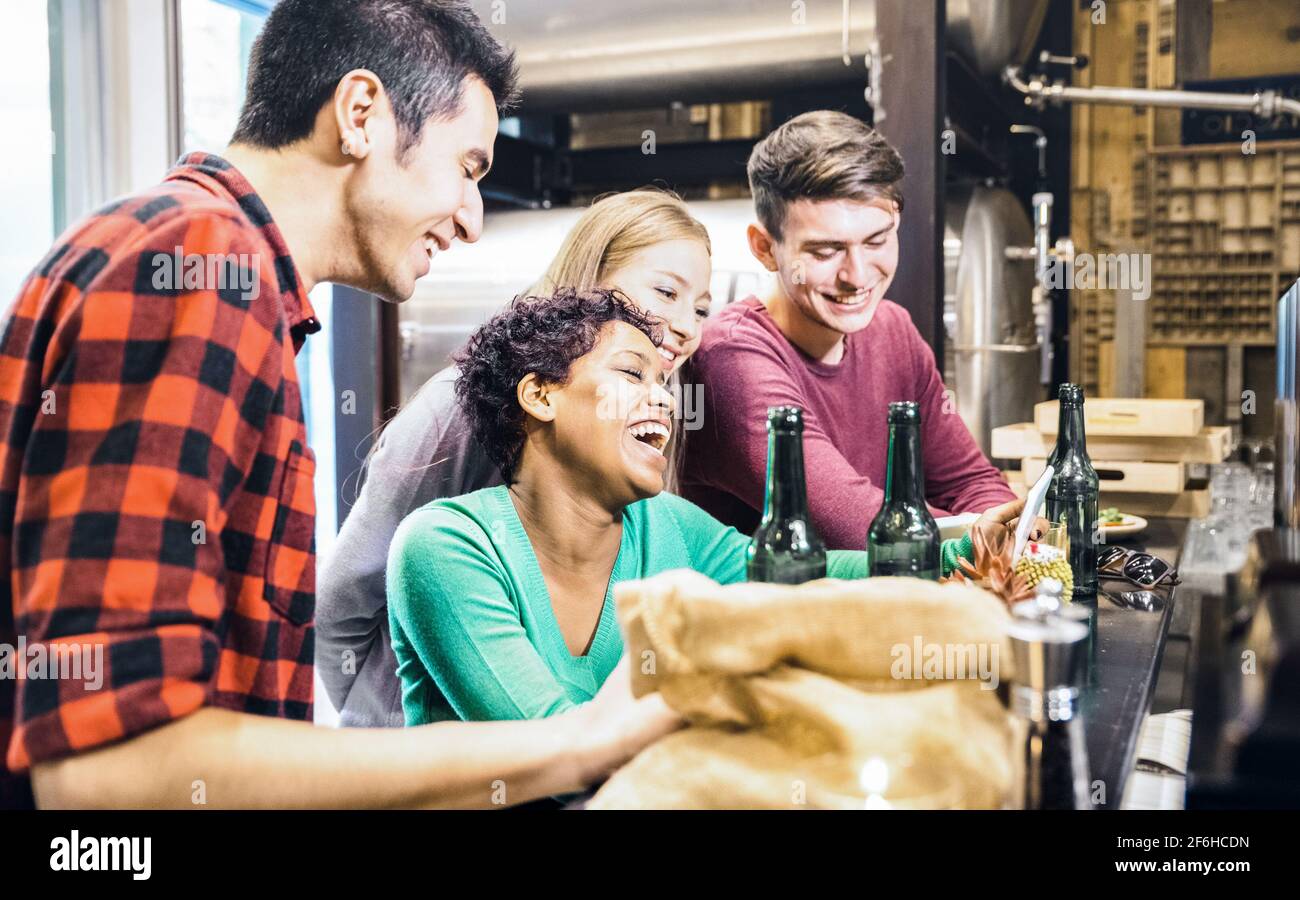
614	229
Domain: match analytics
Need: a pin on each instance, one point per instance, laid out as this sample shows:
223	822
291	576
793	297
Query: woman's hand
999	523
618	726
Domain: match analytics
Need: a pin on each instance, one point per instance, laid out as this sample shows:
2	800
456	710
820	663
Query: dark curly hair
543	335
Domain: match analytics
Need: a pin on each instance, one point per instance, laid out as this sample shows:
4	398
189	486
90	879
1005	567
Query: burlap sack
831	694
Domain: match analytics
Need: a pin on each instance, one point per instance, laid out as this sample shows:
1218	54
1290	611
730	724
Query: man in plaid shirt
156	505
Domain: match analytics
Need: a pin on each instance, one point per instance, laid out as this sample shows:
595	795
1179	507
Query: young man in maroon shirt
826	193
156	506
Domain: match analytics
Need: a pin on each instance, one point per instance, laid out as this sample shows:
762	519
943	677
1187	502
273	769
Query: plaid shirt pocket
290	585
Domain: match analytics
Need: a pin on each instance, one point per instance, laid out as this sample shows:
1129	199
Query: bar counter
1128	645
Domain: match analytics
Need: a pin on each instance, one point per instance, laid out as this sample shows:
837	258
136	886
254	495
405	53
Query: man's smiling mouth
854	299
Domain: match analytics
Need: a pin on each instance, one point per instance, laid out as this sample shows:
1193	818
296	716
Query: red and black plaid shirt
155	480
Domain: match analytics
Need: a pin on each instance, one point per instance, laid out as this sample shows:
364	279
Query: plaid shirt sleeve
146	419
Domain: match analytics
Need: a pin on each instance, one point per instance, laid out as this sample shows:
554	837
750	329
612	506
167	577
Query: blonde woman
644	244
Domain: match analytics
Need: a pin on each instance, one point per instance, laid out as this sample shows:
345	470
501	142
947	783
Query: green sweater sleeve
449	594
953	550
851	564
718	550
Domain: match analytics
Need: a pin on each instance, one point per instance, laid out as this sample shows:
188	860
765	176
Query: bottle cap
904	412
1071	394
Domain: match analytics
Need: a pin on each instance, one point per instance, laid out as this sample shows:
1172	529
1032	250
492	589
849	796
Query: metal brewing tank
582	55
993	354
990	34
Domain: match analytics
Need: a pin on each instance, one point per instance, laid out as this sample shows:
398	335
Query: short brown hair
821	155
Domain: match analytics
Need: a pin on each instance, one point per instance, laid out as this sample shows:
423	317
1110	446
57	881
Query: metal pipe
1040	143
1042	234
1267	104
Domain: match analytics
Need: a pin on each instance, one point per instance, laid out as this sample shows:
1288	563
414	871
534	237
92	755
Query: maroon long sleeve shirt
746	365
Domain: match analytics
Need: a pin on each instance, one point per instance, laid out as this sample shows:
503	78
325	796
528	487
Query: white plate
953	527
1131	527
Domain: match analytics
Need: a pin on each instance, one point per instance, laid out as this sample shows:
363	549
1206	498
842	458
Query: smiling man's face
836	259
403	211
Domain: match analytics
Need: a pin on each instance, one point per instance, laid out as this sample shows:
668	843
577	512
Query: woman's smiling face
670	281
611	421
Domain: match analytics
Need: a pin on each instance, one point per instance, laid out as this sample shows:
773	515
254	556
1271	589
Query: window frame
113	67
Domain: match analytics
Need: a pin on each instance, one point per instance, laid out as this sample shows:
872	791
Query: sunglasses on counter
1141	569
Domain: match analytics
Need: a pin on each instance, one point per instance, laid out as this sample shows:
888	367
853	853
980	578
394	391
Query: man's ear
534	397
356	99
762	245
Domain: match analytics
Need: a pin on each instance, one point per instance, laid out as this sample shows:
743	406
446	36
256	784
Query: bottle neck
905	478
787	493
1070	433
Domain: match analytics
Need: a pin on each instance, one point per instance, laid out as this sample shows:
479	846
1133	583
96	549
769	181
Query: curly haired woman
501	601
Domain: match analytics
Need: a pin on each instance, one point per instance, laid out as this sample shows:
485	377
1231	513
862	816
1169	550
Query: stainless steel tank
580	55
993	354
990	34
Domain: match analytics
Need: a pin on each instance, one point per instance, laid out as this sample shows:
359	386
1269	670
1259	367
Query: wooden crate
1187	505
1212	445
1124	476
1016	481
1115	416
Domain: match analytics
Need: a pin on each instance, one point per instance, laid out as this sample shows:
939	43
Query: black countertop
1124	661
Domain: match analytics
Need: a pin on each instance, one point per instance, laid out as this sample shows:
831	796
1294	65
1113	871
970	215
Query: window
27	176
216	38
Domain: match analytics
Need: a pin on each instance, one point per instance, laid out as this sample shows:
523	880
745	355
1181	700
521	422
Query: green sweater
472	626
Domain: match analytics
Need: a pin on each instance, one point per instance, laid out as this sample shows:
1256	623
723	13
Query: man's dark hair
544	335
422	51
821	155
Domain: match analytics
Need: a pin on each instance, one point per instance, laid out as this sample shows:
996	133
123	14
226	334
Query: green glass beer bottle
904	538
786	548
1072	494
